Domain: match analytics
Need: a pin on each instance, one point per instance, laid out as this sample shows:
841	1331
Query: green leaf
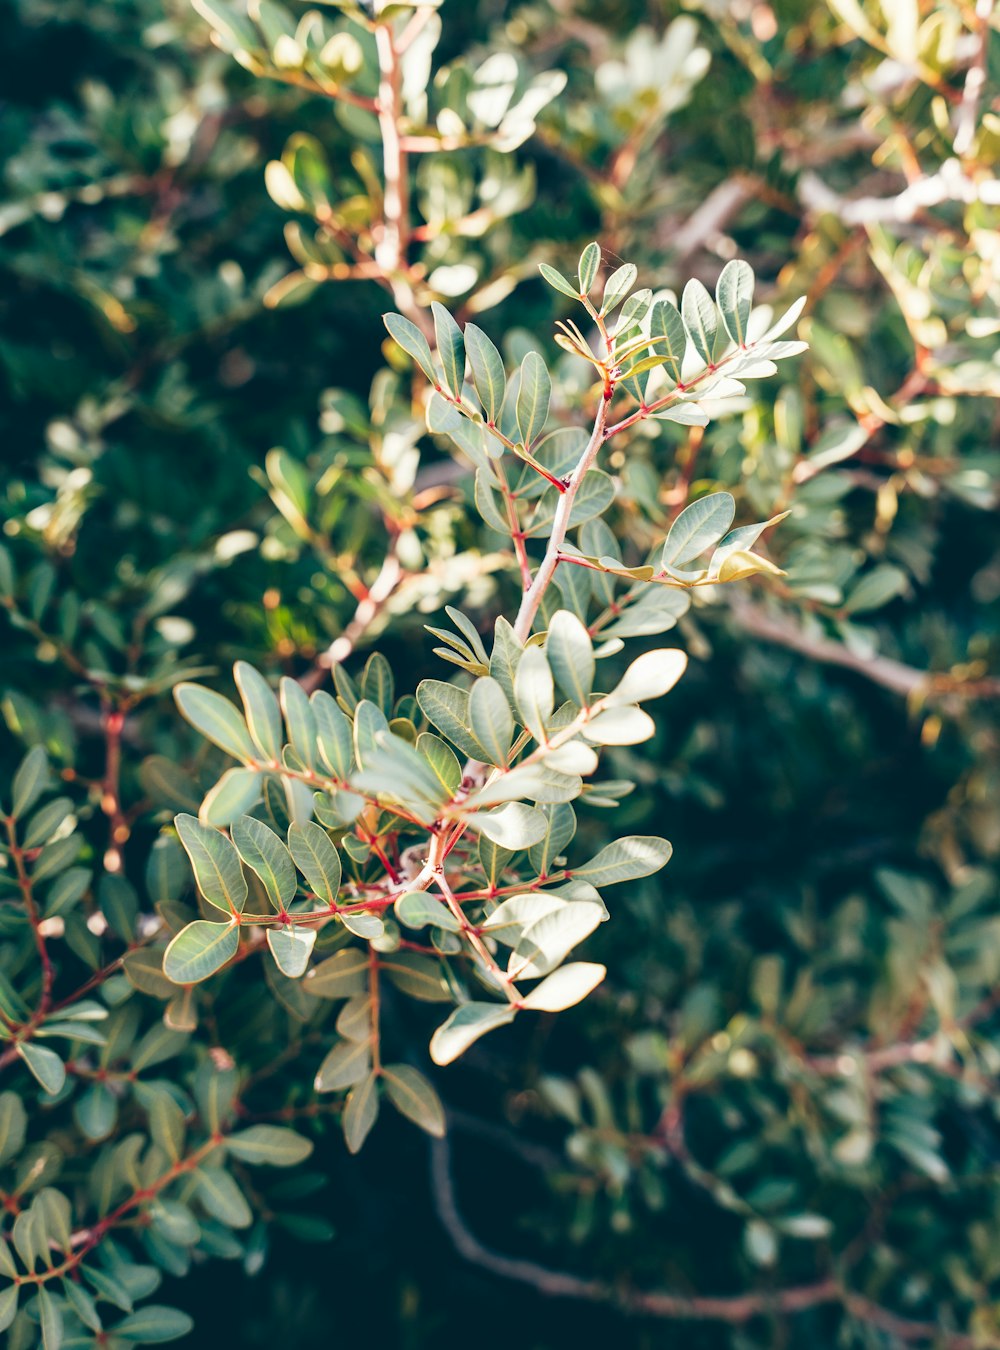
377	684
417	909
222	1198
346	1064
488	502
237	791
8	1266
418	976
291	946
742	564
505	657
491	718
236	30
666	324
590	261
216	864
50	1319
13	1125
534	692
110	1289
360	1113
565	987
95	1113
8	1306
560	828
557	281
166	1119
266	855
46	822
447	708
270	1145
56	857
697	528
369	720
317	859
262	711
82	1304
570	655
514	826
442	760
299	720
544	943
44	1064
153	1324
701	319
413	1096
30	781
734	296
333	734
620	726
742	538
487	371
340	976
217	719
875	589
199	950
625	860
215	1092
464	1026
618	285
450	347
413	342
649	676
533	393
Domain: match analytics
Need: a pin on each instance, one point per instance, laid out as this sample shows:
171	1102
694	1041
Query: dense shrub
319	397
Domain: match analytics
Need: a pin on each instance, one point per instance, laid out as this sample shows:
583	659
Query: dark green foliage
246	919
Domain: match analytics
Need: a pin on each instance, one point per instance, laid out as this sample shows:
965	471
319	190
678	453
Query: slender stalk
34	919
532	597
375	1006
391	247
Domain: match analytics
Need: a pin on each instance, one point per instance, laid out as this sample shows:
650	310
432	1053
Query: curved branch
733	1308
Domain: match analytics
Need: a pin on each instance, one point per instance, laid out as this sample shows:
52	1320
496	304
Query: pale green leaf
414	1097
291	947
734	296
261	707
701	319
346	1064
216	864
533	394
570	655
409	337
464	1026
360	1113
317	859
269	1145
534	692
649	676
491	718
266	855
565	987
697	528
487	371
218	720
237	791
625	860
44	1064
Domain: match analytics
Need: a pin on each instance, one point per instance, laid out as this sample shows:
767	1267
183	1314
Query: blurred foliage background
789	1079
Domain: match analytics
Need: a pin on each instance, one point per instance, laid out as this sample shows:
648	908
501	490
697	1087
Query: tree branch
734	1309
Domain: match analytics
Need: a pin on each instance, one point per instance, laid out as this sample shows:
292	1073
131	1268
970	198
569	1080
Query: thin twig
967	119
